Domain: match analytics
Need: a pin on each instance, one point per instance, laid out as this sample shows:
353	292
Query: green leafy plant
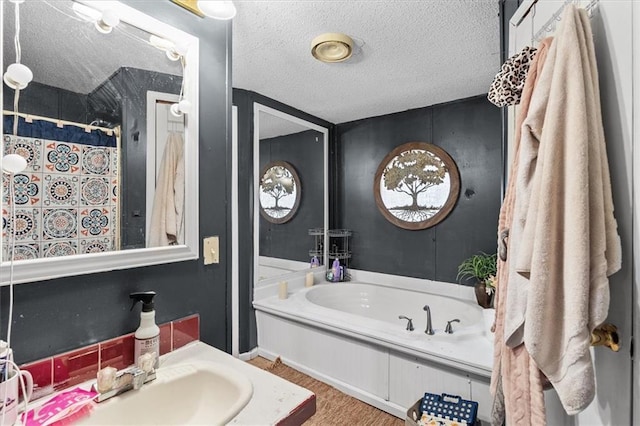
480	266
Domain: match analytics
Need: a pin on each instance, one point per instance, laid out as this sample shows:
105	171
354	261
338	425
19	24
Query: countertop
274	400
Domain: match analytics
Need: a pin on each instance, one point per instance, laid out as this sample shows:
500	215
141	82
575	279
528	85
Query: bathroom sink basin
182	394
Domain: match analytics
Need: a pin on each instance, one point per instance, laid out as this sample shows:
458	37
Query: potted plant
481	267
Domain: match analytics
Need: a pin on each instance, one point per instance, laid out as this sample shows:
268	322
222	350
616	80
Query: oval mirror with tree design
280	192
416	185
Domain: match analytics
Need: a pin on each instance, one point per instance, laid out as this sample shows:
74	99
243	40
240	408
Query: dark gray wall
48	101
123	99
469	130
304	151
58	315
244	100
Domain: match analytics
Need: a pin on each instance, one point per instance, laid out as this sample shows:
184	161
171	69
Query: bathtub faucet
409	322
448	328
429	329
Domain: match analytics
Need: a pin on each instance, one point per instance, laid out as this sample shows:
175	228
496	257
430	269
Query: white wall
612	24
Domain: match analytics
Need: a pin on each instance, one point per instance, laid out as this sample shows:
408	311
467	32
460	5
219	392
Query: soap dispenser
147	336
336	270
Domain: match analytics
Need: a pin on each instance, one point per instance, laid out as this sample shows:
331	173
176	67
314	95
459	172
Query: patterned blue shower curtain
66	201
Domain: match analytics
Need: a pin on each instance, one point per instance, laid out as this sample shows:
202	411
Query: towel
516	382
569	243
167	218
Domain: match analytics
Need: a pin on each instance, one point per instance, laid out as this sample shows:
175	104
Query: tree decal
279	192
413	184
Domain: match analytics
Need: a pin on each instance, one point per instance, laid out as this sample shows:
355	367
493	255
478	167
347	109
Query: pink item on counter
62	409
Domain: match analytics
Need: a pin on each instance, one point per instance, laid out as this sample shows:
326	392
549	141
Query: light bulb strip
68	15
12	255
16	39
182	85
16	98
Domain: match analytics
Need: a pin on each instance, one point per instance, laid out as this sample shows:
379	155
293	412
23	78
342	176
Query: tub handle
448	328
409	322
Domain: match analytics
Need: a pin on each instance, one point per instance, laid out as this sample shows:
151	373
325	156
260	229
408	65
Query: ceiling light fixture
332	47
217	9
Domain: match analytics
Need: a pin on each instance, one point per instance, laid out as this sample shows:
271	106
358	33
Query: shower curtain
66	201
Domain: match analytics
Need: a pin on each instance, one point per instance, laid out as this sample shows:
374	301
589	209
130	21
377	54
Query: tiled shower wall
66	201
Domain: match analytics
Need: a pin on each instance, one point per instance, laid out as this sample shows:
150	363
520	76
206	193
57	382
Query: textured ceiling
410	53
65	51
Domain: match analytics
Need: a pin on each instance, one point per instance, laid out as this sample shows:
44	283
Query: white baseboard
370	399
247	356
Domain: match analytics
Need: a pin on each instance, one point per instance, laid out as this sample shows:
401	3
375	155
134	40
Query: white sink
183	394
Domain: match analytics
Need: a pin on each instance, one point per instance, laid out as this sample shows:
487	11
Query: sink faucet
409	322
111	383
429	329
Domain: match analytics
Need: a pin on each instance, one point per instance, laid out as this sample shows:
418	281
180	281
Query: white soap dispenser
147	336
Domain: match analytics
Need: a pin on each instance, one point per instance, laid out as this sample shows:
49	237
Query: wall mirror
416	185
280	140
105	70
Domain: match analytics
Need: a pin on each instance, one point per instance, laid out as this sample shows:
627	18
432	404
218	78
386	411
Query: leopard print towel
507	85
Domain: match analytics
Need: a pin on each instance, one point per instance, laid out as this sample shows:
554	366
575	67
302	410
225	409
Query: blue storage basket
449	407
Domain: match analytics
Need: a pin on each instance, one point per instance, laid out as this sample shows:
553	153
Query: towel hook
533	16
606	335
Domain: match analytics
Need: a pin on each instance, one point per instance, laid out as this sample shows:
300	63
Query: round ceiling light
332	47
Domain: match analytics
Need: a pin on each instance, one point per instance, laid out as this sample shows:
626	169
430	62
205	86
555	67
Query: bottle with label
147	336
335	271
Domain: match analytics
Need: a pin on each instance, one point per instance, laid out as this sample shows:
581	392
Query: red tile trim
42	373
166	338
301	413
186	330
74	367
117	353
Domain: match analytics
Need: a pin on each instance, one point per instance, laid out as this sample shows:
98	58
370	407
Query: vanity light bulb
181	108
175	52
216	9
13	163
175	110
185	106
107	21
17	76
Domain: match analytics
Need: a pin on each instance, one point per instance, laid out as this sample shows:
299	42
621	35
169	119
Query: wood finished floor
332	406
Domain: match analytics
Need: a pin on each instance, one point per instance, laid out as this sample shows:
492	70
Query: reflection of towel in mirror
167	226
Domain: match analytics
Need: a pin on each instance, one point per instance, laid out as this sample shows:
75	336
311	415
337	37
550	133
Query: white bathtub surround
270	267
365	350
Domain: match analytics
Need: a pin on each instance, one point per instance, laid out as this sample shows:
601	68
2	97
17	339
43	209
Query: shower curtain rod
88	128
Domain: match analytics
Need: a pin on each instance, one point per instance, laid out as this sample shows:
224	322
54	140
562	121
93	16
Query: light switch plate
211	250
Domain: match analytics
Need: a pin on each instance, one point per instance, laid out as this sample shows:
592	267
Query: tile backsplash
71	368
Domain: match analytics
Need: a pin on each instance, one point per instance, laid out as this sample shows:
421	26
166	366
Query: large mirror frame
257	108
49	268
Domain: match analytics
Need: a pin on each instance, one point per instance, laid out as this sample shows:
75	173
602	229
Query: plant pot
485	300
